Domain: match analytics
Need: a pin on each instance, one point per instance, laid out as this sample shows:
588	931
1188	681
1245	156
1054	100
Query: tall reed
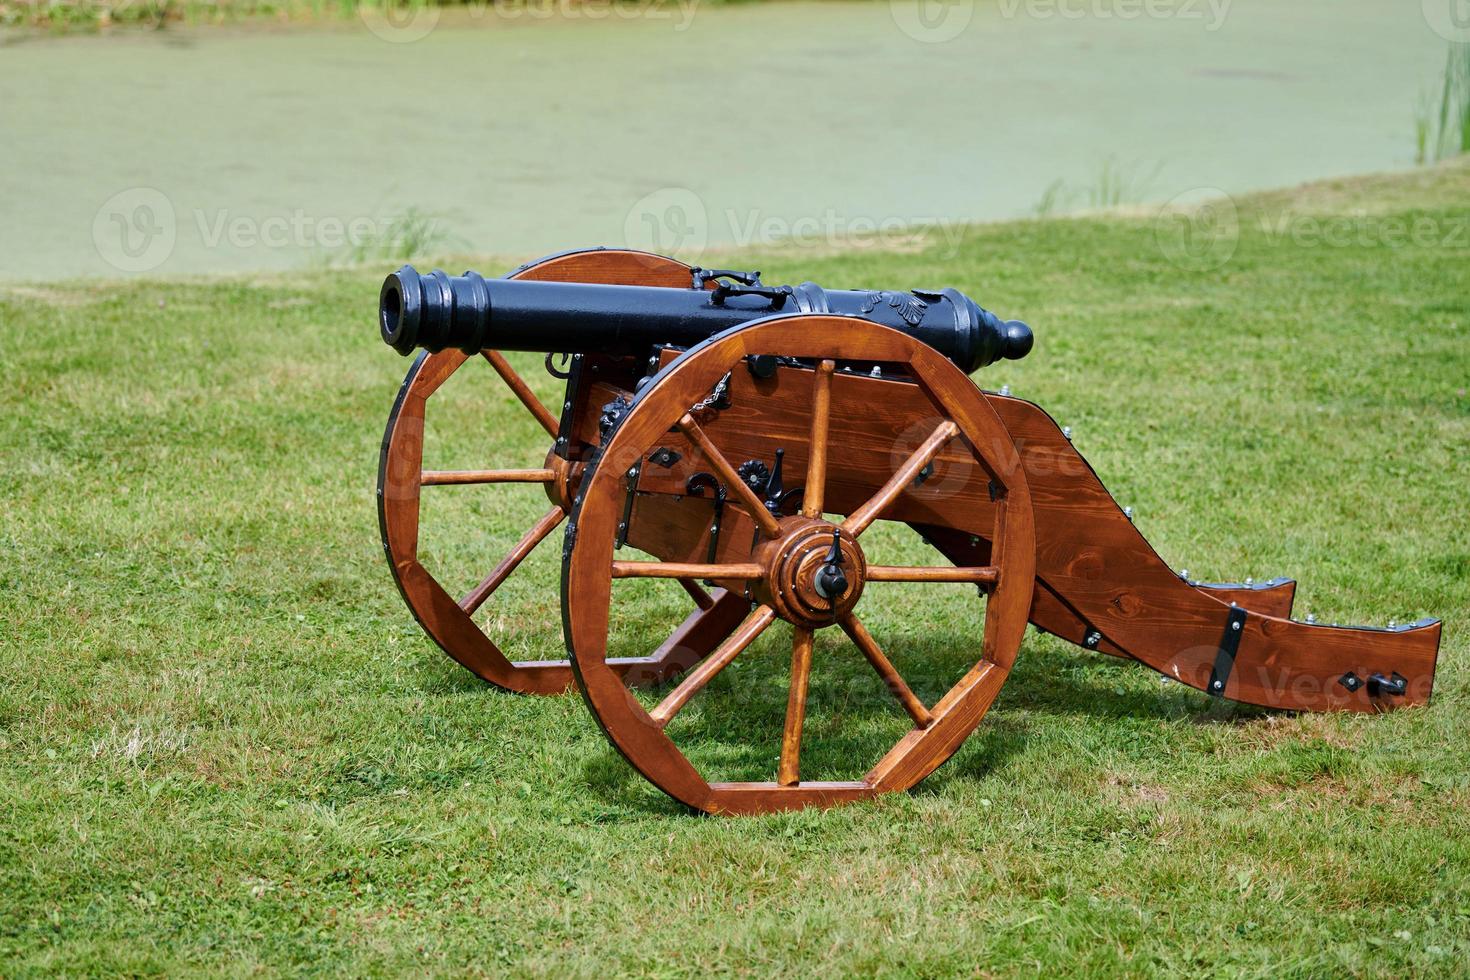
1442	125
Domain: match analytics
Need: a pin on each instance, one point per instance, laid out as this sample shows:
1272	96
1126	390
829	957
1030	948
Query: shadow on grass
731	731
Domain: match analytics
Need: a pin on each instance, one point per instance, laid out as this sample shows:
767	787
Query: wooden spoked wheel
788	571
449	621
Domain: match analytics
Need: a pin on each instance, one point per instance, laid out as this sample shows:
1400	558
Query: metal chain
721	389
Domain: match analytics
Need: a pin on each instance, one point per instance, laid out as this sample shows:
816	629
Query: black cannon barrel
470	312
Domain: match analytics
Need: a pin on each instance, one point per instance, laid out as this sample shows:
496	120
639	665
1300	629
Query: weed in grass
1117	184
413	234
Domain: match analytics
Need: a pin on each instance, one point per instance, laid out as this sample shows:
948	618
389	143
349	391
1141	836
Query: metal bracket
569	400
628	505
664	456
1225	658
1378	685
694	486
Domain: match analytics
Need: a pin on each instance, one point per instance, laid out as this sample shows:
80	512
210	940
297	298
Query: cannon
791	455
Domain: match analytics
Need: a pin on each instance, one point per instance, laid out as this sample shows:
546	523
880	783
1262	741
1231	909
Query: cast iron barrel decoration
472	313
747	437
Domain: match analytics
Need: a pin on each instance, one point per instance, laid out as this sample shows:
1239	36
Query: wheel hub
814	573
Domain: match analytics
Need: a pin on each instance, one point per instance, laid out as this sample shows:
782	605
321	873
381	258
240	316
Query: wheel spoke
763	518
816	464
701	598
522	391
789	773
735	571
864	641
439	478
975	575
755	624
476	597
859	520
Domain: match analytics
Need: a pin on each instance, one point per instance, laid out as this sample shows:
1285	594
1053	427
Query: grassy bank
64	16
227	747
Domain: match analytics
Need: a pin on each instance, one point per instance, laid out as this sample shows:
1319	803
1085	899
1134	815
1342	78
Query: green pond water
203	150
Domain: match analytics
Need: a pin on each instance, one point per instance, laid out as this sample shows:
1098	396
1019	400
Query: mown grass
226	746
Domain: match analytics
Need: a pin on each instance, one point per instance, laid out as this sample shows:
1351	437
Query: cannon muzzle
472	313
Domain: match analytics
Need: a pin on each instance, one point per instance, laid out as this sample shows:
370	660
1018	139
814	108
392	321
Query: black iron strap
1225	657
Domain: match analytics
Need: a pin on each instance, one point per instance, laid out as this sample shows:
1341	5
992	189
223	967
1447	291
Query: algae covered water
676	126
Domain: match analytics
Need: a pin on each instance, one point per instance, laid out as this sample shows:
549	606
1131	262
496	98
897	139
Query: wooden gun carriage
746	437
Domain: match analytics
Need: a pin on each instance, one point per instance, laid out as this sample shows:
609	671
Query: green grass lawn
227	747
